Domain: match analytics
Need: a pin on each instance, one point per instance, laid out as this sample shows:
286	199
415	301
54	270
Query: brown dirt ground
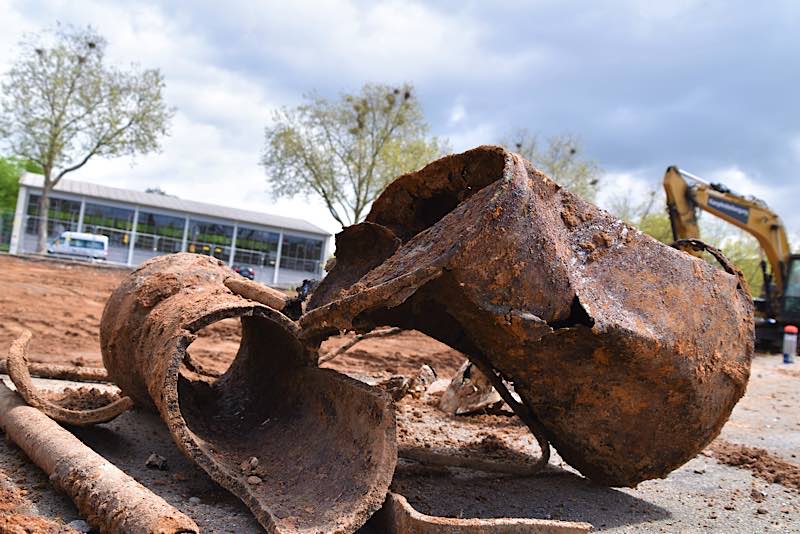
60	303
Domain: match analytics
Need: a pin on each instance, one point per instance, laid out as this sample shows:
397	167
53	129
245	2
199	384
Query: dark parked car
247	272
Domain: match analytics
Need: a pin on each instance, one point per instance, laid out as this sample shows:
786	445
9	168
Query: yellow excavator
779	304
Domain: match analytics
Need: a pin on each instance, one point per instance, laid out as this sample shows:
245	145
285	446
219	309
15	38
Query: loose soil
16	513
62	304
82	398
761	462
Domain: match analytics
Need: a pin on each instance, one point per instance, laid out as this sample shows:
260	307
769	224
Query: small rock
729	507
80	525
700	470
396	386
756	495
253	462
253	480
194	500
762	511
422	380
155	461
470	391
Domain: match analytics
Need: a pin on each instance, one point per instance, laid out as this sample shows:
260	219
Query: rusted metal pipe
54	371
306	449
110	500
629	353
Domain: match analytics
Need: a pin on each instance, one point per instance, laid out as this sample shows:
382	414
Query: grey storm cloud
703	84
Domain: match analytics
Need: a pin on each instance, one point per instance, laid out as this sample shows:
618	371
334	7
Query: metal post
132	235
185	240
277	260
233	244
80	214
18	229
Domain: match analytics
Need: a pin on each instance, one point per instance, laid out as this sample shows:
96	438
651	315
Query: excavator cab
790	312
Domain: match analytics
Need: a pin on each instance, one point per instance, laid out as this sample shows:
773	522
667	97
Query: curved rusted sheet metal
17	365
306	449
398	517
630	354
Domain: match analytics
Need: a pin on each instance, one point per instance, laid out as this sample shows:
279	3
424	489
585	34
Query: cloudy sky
709	86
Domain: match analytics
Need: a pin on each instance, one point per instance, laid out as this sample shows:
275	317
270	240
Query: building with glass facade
283	251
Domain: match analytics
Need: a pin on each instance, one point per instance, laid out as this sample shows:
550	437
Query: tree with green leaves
10	171
561	158
347	150
62	105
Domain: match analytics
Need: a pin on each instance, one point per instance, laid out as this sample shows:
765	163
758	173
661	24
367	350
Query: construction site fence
6	224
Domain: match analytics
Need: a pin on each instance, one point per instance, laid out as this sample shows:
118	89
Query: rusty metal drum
630	354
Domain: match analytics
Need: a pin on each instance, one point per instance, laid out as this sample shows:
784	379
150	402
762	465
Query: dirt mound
760	462
82	398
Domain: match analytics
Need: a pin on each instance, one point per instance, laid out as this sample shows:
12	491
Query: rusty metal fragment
306	449
55	371
629	354
398	517
110	500
17	364
469	391
257	292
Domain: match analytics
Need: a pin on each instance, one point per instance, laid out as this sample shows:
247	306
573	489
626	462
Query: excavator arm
749	214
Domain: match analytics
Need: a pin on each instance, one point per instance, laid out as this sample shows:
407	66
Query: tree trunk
44	209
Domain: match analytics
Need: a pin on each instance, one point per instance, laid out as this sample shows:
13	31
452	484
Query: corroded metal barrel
306	449
630	354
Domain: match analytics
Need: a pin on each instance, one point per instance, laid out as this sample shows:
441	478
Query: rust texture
306	449
110	500
629	354
17	364
257	292
398	517
54	371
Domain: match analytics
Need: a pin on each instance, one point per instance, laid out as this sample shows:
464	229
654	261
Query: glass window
109	221
83	243
61	209
62	215
793	282
791	301
159	233
107	217
301	254
210	238
256	247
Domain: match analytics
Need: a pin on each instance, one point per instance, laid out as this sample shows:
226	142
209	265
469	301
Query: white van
79	244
